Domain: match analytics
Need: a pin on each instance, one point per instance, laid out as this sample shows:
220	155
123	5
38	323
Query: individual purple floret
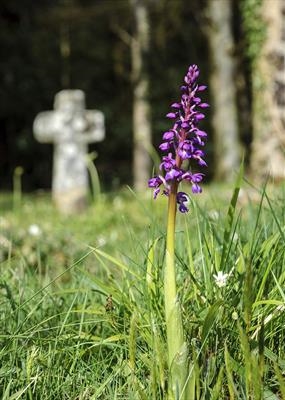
183	142
183	200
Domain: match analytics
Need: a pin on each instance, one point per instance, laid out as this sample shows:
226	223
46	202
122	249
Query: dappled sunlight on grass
82	304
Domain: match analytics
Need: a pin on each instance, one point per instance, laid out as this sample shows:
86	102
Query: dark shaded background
33	68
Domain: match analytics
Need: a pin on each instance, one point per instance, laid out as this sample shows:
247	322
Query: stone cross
70	128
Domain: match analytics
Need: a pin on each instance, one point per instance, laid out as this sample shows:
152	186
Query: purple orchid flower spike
183	142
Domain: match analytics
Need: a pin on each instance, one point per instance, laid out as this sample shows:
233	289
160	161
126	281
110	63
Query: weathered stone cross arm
95	127
46	126
69	121
70	127
88	127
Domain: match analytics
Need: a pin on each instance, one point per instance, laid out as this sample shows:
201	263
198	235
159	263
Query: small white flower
118	202
235	315
4	242
101	240
213	214
34	230
4	223
221	279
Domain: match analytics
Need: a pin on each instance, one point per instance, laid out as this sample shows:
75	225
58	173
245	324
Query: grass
81	304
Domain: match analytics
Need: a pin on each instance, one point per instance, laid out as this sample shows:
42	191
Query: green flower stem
177	350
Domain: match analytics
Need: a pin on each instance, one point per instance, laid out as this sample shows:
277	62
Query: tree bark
222	82
268	76
141	106
65	45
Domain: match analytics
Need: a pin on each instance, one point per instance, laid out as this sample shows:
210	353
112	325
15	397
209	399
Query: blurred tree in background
49	45
264	26
141	104
222	83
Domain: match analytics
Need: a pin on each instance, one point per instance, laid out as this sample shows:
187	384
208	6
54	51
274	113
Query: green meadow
81	297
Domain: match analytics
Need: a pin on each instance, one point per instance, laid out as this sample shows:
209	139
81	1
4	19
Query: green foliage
254	28
91	326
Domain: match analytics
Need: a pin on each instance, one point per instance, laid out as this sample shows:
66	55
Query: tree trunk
141	106
268	75
222	82
65	48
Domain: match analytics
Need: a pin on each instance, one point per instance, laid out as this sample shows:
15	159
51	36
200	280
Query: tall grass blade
281	380
151	269
230	215
210	319
233	393
218	388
